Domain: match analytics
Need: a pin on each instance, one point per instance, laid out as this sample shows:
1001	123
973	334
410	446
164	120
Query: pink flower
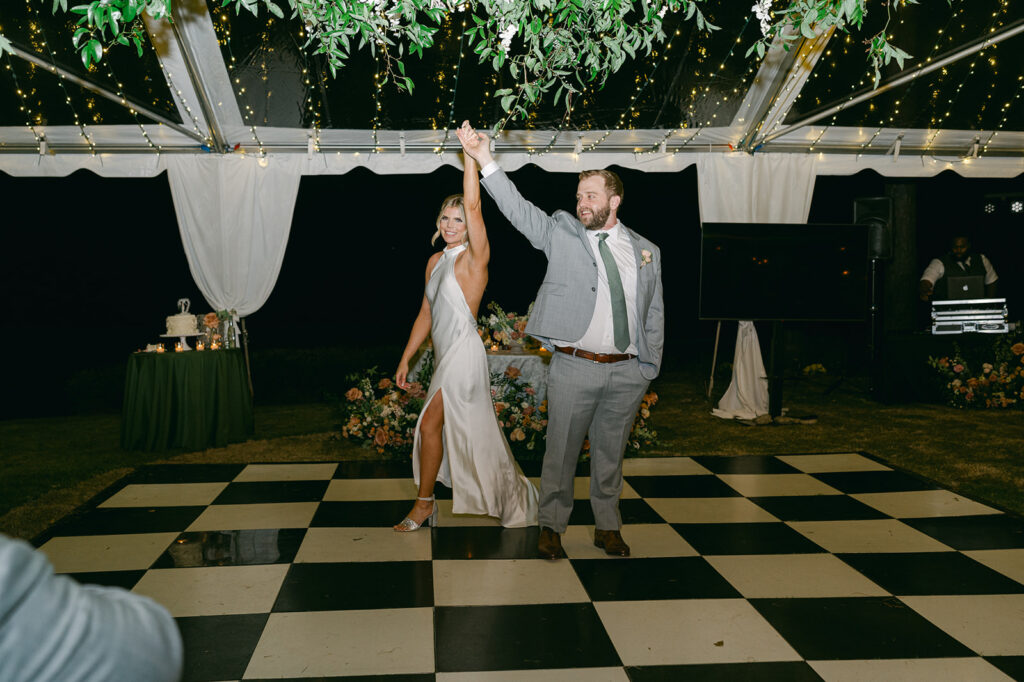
958	368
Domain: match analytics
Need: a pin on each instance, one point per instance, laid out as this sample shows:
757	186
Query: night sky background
90	267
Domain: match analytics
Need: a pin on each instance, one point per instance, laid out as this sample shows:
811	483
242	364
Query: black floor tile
745	538
266	492
784	671
425	677
632	510
923	573
374	469
703	485
851	482
232	548
125	579
484	542
185	473
656	578
1011	665
817	508
129	520
857	628
356	585
219	647
745	464
474	638
374	514
989	531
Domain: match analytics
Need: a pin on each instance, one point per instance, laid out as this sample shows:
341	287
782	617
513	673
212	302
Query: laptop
961	288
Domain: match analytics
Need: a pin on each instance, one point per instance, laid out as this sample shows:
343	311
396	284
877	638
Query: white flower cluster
506	36
763	11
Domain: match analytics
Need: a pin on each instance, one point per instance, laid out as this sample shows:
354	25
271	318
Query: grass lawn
53	465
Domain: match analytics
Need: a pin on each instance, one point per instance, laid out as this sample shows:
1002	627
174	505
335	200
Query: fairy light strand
37	29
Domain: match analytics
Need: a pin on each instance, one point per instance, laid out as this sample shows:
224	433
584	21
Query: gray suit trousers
599	400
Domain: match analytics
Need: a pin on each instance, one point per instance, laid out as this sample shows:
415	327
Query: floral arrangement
520	417
998	384
501	330
381	416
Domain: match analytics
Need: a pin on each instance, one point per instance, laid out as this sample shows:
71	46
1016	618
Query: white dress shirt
600	335
935	270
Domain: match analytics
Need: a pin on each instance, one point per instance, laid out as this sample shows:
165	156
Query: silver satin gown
477	463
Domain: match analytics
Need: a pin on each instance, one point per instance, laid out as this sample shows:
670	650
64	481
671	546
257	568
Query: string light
169	78
25	107
454	90
37	30
124	102
223	31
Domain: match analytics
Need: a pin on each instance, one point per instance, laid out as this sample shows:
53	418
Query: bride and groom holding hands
599	310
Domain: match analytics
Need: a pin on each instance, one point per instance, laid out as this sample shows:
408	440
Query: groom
600	310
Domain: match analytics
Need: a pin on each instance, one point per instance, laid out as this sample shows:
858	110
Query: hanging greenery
550	48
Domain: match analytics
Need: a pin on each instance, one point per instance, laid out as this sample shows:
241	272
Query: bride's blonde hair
456	201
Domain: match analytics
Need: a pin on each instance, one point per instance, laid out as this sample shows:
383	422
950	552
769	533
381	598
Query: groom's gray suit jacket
565	301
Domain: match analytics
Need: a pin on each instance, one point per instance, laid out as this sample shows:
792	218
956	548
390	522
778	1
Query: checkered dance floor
793	567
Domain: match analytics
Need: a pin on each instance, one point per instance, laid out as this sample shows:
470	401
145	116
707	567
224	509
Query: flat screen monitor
770	271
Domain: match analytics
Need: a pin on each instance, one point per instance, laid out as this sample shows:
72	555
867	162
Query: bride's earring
408	525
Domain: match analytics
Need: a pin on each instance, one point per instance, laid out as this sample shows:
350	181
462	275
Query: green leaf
274	9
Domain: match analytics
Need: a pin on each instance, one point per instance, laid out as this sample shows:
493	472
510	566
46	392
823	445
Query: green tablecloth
194	400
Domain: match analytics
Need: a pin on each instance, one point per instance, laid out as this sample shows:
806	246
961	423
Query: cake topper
183	305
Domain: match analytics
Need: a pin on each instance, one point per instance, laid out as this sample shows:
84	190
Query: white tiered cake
182	324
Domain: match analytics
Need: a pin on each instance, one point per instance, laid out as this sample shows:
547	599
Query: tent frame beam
125	101
1006	32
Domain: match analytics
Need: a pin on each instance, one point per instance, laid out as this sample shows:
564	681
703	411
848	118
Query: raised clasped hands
475	144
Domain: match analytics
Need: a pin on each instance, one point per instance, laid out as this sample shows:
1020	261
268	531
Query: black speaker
876	213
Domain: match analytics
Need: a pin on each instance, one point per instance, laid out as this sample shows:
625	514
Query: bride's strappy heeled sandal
408	525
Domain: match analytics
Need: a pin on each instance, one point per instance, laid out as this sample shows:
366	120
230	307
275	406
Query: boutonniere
645	257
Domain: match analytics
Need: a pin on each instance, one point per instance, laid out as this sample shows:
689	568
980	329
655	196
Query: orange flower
651	399
380	437
517	434
543	406
499	407
211	320
385	383
354	394
513	372
1018	348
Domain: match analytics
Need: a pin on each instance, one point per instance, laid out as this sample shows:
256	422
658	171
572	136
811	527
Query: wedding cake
184	323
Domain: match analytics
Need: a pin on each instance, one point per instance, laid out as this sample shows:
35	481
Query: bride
458	440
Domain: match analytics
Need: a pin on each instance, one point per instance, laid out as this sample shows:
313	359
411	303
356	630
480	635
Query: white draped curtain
744	188
234	214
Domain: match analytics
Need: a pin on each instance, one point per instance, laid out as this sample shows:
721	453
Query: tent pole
103	92
1008	31
245	348
714	359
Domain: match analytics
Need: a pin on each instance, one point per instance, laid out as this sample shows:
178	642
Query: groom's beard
598	217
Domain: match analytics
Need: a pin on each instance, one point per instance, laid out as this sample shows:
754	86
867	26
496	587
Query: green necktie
620	321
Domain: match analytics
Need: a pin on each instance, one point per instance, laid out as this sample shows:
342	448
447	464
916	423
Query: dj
959	262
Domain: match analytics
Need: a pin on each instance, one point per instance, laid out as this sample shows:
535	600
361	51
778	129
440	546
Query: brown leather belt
595	357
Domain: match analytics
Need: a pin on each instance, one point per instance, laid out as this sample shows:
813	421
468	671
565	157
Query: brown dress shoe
549	546
611	542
